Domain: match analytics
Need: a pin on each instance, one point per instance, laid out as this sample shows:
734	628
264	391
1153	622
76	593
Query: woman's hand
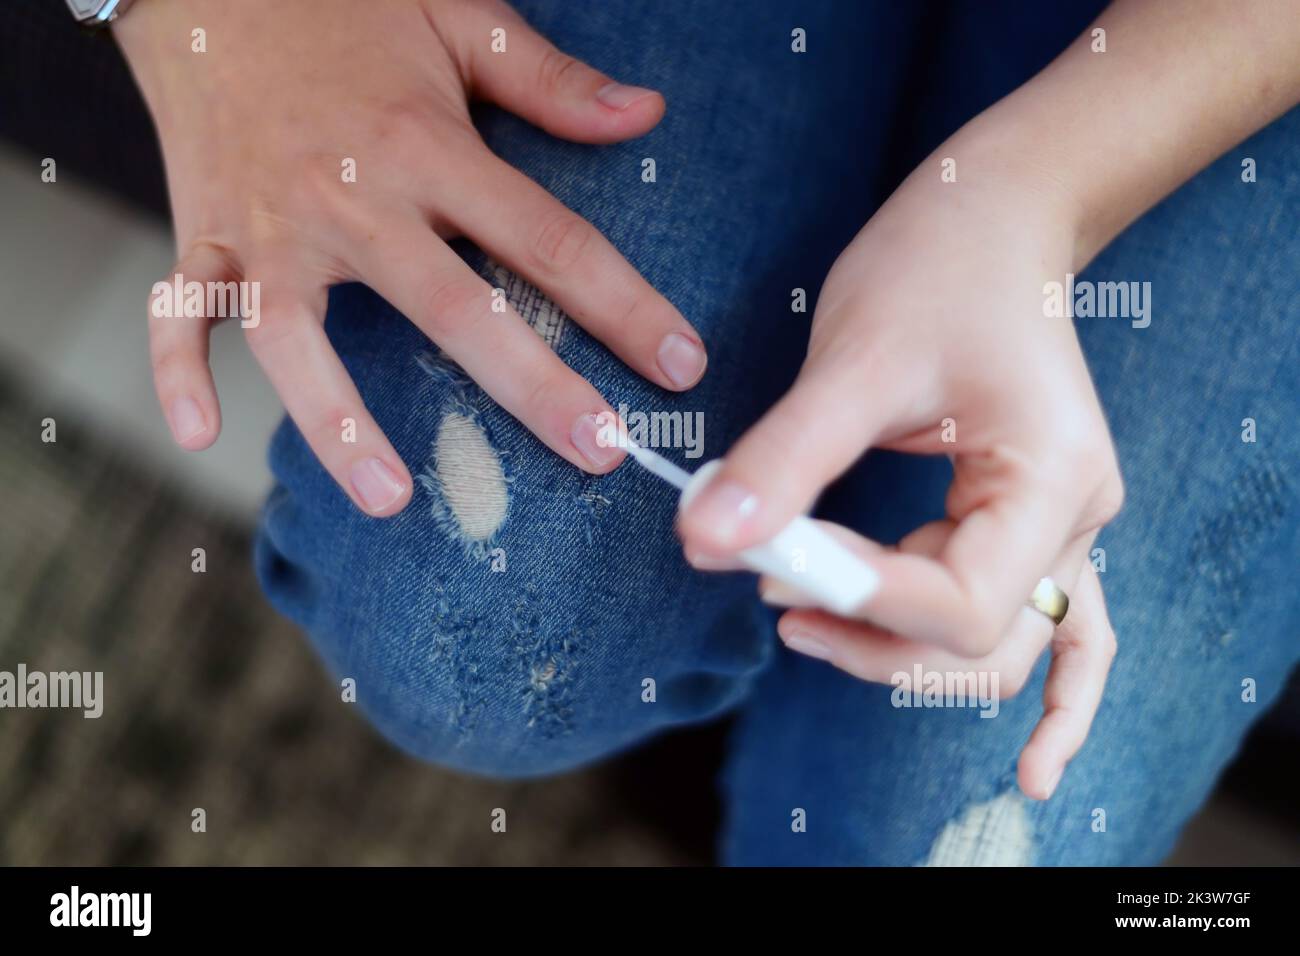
261	133
1083	646
930	337
931	327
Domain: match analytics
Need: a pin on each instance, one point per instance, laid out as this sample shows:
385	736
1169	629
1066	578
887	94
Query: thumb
510	64
778	468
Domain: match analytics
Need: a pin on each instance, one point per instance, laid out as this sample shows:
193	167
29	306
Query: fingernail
681	359
1051	786
723	507
807	645
587	438
619	97
779	594
375	484
187	419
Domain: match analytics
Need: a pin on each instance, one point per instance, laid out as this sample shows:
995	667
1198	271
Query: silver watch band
97	13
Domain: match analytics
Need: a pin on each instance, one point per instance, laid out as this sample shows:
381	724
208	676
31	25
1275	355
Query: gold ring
1050	600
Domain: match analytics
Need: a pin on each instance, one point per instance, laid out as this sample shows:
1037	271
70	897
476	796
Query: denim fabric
767	164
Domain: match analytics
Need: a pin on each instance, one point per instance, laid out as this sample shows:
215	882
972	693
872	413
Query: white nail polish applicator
801	554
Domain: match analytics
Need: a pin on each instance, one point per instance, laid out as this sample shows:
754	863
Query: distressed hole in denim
594	505
466	478
470	477
546	318
547	652
1228	540
453	634
996	833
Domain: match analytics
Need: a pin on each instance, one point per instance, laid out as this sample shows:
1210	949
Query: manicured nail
588	436
1051	786
804	643
187	419
681	359
375	484
723	507
619	97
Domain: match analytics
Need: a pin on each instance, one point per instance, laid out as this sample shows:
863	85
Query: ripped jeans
523	618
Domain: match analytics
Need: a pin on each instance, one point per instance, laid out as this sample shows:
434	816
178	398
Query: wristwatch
97	13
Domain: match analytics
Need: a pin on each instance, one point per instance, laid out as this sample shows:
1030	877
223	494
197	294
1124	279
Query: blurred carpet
212	701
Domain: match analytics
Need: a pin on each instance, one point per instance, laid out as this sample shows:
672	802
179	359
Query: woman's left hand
930	336
1083	646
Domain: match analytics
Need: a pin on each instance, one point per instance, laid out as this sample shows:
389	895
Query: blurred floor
211	700
75	273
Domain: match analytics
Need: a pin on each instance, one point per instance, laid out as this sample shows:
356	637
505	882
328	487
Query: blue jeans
576	630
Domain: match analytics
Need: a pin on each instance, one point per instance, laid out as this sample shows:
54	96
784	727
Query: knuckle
328	425
543	392
1104	501
561	241
169	365
1080	447
315	189
398	125
647	310
448	301
628	314
402	135
264	338
985	624
1110	498
556	71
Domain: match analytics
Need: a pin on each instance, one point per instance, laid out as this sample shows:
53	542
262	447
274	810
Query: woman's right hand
258	132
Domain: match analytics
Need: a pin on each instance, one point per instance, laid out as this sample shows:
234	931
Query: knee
436	630
510	621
